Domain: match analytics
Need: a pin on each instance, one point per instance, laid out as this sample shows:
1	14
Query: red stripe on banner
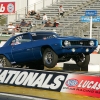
82	84
7	7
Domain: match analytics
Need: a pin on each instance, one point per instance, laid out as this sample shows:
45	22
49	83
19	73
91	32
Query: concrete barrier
95	59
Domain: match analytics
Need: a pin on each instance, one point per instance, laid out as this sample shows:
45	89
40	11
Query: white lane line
22	96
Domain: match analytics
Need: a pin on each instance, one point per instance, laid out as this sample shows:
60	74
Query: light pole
27	6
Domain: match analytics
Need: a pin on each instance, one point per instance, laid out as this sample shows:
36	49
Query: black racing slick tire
84	64
50	58
4	61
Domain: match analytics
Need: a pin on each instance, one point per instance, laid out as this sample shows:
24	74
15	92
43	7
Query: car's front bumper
67	50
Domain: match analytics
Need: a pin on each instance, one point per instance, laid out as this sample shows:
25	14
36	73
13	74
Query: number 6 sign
7	7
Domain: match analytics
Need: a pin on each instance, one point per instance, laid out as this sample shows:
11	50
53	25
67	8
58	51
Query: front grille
82	43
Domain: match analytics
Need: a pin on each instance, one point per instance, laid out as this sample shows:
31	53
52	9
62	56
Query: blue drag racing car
43	48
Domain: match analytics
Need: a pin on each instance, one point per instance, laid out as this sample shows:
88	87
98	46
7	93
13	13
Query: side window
39	36
21	39
25	38
16	41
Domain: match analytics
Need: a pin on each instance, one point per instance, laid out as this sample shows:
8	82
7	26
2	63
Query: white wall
38	4
31	4
20	4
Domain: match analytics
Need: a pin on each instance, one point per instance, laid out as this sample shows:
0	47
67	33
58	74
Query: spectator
61	11
29	24
11	29
55	24
17	28
48	24
37	16
23	23
44	19
32	13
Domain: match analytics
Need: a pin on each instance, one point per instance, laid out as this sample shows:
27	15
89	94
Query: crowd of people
46	22
50	24
12	29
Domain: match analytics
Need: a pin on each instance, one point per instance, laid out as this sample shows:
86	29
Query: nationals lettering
45	80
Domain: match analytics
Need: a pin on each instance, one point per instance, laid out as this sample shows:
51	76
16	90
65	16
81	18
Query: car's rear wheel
50	58
4	61
83	62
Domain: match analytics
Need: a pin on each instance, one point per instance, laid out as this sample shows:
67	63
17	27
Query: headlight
91	43
66	43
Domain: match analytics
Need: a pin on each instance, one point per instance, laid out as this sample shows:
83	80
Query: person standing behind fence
11	29
61	11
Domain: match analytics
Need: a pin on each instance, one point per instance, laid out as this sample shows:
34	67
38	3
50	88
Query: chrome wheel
82	58
49	57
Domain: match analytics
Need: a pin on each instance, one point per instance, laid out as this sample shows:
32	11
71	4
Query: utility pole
27	6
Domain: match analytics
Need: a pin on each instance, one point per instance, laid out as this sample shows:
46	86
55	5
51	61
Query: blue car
43	48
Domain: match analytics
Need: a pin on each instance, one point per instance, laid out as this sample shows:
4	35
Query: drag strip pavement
5	96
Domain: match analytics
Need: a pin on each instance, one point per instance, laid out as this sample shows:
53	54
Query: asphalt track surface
37	94
5	96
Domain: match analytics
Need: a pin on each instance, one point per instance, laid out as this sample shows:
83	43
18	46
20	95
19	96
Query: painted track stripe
22	96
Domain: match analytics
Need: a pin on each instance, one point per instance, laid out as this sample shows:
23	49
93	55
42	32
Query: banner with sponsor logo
7	7
87	19
74	83
88	85
32	78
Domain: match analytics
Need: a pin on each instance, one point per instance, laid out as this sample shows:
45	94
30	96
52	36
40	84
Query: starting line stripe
22	96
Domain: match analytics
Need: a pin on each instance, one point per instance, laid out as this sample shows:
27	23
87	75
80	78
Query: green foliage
3	20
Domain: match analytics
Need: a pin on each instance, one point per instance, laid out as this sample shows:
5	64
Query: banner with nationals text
39	79
7	7
88	85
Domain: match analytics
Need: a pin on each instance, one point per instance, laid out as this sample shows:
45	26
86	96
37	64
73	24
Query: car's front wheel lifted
4	61
50	58
83	62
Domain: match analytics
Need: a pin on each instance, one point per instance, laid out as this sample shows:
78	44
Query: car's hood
73	38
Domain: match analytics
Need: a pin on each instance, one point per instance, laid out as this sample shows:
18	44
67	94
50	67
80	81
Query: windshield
37	36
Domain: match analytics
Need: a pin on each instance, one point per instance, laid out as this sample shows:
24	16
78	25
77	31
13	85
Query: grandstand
70	23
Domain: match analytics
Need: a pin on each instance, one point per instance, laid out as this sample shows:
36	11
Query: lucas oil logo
71	82
30	78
